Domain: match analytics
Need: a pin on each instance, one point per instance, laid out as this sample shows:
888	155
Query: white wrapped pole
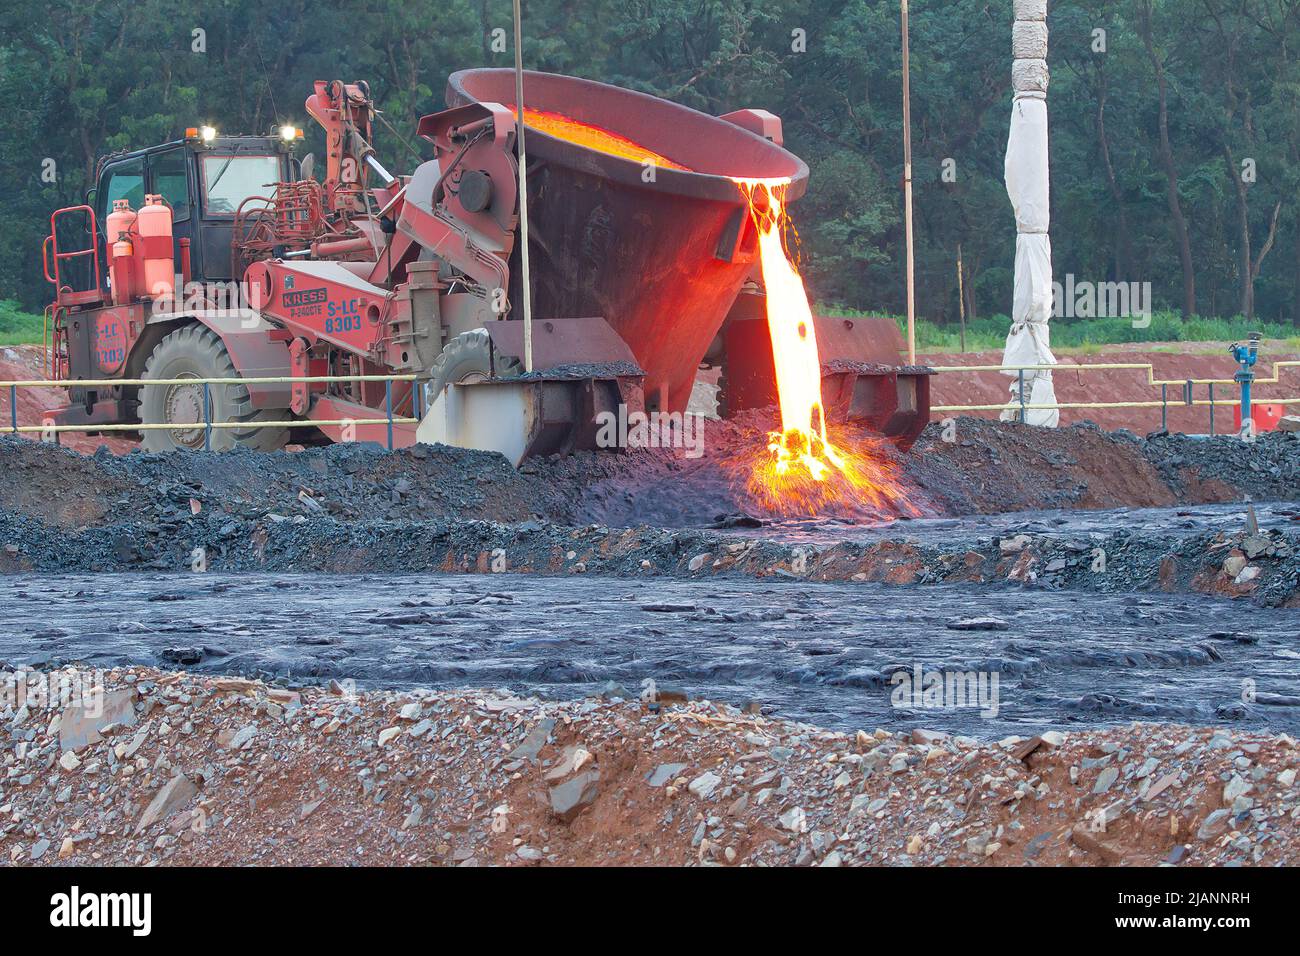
1029	340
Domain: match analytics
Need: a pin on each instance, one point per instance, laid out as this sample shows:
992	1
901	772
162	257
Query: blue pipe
1246	355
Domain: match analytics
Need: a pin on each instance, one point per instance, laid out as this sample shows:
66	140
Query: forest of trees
1175	129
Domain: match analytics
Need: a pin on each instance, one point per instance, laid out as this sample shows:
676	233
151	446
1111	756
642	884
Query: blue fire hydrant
1245	356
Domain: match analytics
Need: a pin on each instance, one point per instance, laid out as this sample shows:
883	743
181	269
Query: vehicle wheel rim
183	405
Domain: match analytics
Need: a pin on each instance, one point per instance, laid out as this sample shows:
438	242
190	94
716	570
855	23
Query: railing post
207	419
13	406
1247	416
1211	409
1021	374
1164	408
388	409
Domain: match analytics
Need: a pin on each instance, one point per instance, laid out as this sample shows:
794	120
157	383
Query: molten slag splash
804	471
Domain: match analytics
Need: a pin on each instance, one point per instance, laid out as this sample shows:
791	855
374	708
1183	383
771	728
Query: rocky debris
1120	558
573	796
533	743
977	624
448	790
223	503
1087	839
665	773
182	656
1106	779
437	508
175	794
83	721
1014	544
986	466
238	739
572	759
704	785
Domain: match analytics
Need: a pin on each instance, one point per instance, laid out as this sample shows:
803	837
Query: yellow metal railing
1187	383
389	419
1113	366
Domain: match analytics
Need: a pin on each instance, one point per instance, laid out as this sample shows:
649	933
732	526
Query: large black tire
467	358
195	351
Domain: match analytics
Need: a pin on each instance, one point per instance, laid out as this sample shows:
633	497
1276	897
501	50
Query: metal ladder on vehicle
54	335
54	339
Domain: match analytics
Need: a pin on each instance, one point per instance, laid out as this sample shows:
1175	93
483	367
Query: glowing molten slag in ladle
802	470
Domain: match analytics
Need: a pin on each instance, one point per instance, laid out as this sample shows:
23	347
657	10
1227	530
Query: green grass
16	326
1089	335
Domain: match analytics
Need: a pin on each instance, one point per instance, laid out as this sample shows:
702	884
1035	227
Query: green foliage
990	332
84	78
16	326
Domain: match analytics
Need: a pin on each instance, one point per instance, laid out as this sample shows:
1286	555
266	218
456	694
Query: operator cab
205	178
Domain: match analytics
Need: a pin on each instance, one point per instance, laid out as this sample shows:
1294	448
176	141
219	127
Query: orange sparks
593	137
805	471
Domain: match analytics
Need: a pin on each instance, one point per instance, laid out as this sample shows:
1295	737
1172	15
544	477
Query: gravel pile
350	482
177	769
1264	566
974	465
964	466
356	507
1267	468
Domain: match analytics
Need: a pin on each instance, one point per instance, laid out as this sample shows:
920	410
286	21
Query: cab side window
124	181
170	180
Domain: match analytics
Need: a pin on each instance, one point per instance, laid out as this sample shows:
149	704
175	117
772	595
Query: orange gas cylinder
154	224
120	220
117	230
122	271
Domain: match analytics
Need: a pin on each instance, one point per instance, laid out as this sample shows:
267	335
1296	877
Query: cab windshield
229	180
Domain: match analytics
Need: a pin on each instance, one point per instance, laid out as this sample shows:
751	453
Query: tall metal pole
907	195
961	297
523	191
